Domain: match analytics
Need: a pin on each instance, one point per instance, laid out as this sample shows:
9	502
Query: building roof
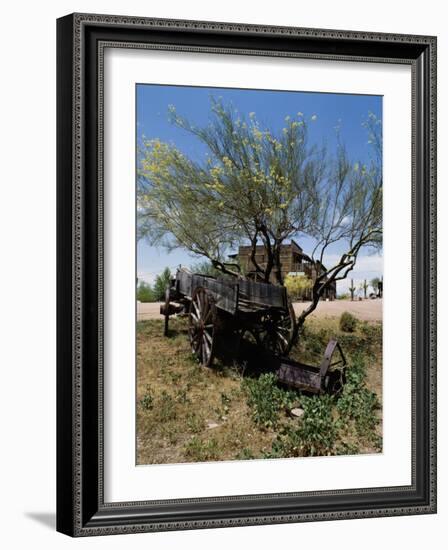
293	245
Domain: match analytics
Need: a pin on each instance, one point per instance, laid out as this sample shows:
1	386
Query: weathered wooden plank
228	293
224	292
183	282
300	376
263	294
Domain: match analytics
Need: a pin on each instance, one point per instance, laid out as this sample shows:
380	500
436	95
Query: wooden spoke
207	348
276	331
283	339
208	315
195	317
202	316
197	310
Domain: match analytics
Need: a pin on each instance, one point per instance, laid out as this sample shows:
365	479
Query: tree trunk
258	269
278	264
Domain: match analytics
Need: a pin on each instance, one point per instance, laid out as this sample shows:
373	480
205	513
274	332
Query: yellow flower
257	134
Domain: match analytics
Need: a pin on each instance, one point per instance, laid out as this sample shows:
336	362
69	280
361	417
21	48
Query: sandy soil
366	310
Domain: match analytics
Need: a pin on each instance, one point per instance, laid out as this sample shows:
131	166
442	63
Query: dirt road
366	310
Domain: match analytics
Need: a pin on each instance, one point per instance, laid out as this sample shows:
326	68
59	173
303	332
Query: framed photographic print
246	274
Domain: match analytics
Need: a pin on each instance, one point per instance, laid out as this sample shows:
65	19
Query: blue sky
330	112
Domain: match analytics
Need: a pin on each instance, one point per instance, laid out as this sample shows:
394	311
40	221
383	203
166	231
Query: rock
211	425
297	412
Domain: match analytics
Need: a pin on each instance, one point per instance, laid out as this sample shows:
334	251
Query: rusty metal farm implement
229	317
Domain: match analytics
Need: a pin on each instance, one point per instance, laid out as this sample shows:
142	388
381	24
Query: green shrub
347	448
297	285
313	341
245	454
162	281
266	399
372	332
145	292
182	396
199	450
348	322
357	402
195	423
359	405
315	435
166	407
147	401
328	421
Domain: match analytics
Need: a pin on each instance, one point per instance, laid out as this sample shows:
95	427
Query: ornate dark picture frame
81	509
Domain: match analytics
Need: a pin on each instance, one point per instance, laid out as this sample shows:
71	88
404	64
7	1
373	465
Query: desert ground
365	310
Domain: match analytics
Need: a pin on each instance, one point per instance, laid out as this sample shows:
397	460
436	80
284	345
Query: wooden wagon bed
231	295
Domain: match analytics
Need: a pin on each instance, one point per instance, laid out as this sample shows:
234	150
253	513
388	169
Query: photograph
259	274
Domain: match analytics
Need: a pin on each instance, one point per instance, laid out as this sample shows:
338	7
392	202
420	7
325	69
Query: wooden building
293	261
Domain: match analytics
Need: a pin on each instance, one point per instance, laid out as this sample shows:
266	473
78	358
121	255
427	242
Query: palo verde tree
260	187
297	285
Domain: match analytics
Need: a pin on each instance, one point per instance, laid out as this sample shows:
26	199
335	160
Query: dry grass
367	339
186	413
195	414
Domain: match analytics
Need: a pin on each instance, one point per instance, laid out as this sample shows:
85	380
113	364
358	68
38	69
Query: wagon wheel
334	381
167	315
201	330
279	331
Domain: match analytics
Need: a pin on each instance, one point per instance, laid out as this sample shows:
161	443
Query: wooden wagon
222	311
225	315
